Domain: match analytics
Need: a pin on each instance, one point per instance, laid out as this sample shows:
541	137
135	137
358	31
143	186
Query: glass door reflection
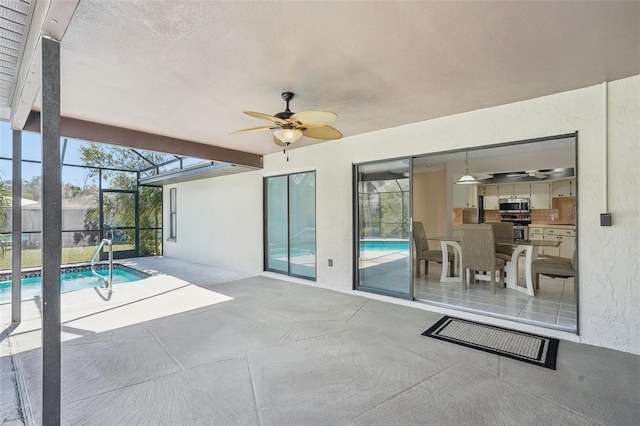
383	248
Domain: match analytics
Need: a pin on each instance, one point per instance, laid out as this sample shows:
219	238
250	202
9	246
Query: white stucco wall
219	222
230	209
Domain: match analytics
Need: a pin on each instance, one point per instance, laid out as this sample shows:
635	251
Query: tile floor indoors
204	345
553	306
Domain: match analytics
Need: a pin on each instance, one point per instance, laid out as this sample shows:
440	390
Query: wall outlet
330	262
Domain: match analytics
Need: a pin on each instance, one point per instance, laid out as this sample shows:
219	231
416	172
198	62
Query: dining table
527	248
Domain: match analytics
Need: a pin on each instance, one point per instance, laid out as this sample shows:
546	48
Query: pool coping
71	268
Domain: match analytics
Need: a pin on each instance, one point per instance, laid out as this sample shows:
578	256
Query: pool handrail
108	284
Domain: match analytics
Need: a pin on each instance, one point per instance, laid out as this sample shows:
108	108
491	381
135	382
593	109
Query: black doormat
537	350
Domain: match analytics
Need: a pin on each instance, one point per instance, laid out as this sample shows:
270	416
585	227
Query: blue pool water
384	245
70	281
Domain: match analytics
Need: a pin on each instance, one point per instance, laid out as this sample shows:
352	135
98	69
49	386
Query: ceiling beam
102	133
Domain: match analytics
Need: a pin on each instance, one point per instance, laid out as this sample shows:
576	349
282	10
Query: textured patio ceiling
187	69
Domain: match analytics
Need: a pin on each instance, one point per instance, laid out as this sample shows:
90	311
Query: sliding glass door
290	224
383	249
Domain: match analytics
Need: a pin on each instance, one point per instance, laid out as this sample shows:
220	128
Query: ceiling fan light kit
288	136
289	127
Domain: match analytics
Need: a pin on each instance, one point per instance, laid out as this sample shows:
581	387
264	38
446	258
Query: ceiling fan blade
252	129
324	132
278	141
311	119
265	117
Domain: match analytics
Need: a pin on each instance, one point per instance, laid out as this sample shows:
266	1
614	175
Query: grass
33	257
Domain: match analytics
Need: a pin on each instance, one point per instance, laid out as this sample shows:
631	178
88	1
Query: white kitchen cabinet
505	191
522	190
563	188
568	247
551	251
536	232
567	238
540	196
472	195
491	197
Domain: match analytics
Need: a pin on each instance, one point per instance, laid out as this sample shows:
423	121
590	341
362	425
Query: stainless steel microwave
514	205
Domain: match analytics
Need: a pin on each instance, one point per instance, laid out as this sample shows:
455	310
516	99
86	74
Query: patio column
51	230
16	229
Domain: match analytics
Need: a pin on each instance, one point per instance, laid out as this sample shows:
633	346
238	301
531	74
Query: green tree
149	199
32	189
5	198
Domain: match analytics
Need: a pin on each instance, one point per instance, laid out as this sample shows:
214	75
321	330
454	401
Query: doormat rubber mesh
537	350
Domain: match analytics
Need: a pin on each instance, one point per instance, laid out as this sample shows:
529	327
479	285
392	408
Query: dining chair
478	254
554	268
503	231
424	253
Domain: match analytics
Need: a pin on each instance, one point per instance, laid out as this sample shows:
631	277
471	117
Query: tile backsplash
491	216
563	212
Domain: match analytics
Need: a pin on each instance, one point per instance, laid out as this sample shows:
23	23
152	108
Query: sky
32	150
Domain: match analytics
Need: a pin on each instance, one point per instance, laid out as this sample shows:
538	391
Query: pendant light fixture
467	179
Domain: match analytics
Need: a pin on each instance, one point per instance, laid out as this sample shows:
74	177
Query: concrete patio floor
204	345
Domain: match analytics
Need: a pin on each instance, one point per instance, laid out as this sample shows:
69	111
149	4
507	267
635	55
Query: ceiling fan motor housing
284	115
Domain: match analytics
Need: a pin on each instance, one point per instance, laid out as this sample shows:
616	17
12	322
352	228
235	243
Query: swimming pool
72	278
384	245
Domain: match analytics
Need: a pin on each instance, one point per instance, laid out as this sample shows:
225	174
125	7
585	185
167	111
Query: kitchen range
517	211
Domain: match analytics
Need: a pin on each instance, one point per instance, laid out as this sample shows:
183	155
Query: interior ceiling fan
290	127
539	174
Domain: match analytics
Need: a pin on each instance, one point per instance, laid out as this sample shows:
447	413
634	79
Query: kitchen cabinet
566	236
551	251
564	188
536	233
540	196
568	247
472	195
505	191
567	239
522	190
491	197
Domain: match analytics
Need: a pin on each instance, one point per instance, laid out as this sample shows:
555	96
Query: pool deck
202	345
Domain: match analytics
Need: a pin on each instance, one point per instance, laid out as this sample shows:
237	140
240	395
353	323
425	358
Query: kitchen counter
552	225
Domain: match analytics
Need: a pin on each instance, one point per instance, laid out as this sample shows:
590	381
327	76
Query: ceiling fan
539	174
290	127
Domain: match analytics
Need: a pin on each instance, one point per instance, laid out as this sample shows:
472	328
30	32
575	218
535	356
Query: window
173	214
